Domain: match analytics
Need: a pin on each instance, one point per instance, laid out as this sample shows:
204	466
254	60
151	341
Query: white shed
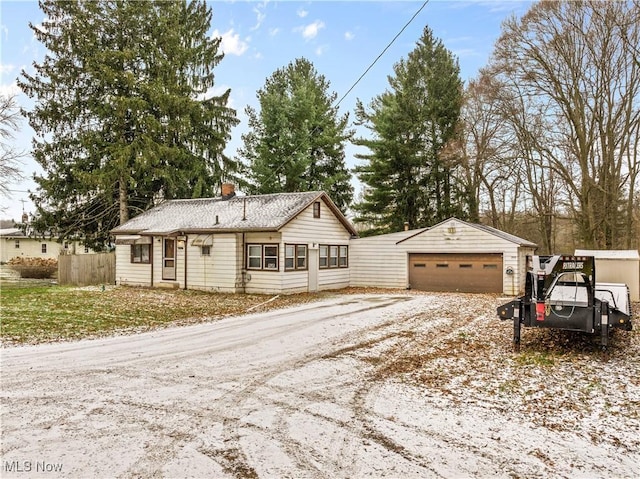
451	256
617	266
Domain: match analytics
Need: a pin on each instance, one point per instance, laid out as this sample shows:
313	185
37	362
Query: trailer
561	292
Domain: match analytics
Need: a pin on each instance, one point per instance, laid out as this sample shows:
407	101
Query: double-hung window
262	256
295	257
333	256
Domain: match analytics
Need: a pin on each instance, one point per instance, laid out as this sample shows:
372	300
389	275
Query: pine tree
123	112
296	141
405	175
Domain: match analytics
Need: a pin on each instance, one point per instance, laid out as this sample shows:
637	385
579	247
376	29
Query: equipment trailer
561	293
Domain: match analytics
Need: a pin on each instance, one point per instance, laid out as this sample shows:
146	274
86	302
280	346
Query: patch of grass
535	358
45	313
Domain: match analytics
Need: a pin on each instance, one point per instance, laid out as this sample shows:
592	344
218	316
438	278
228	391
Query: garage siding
384	260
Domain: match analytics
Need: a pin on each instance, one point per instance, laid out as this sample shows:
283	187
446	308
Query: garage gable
454	235
451	256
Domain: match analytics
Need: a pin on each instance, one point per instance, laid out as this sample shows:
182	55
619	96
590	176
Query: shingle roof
609	254
503	235
486	229
11	232
240	213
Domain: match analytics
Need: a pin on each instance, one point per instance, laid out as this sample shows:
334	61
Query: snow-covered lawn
371	385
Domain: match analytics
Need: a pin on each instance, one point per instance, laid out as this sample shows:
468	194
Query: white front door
313	270
169	259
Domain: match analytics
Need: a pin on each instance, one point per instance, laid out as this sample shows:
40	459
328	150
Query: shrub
36	268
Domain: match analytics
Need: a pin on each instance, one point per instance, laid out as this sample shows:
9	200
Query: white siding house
451	256
15	244
287	242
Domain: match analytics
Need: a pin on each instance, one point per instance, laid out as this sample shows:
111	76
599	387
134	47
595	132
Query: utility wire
313	131
383	52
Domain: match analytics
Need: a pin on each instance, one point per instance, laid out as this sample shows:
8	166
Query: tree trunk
123	201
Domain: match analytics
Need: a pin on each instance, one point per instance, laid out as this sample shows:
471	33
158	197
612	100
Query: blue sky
341	39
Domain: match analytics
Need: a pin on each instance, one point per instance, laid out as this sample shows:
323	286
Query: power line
276	171
383	52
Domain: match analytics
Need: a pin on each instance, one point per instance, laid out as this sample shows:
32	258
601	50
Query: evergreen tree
296	141
406	176
123	113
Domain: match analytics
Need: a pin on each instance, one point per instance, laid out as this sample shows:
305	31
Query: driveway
292	393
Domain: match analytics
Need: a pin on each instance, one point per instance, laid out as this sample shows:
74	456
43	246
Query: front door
313	270
169	259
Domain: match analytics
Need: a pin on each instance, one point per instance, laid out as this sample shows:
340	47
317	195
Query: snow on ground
376	385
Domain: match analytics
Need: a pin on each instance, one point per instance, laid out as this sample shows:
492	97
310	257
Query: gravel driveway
354	386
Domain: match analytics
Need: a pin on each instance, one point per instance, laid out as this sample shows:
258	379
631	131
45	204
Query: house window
295	257
43	247
262	256
17	244
205	250
86	249
316	209
141	253
324	256
343	259
66	245
334	256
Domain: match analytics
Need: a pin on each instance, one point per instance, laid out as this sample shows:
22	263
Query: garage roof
609	254
487	229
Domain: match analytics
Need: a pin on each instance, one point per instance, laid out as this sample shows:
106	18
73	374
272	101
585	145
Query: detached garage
451	256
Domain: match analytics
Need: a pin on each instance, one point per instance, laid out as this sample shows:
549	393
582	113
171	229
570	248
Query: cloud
321	49
231	42
349	36
217	90
274	31
302	12
310	31
5	30
6	69
10	89
260	15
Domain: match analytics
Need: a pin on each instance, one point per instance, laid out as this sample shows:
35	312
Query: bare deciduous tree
10	163
575	63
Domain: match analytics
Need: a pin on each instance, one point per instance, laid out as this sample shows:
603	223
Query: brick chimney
406	226
228	191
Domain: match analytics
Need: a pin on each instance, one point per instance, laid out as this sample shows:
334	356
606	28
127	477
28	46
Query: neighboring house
277	243
451	256
14	243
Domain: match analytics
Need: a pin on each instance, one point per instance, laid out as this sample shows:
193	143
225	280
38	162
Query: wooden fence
87	269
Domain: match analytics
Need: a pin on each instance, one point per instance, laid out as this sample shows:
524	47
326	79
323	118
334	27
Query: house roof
609	254
487	229
12	233
240	213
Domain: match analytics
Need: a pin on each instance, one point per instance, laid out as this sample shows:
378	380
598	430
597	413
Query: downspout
152	253
244	265
186	243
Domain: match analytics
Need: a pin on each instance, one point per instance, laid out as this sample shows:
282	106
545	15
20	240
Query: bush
36	268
